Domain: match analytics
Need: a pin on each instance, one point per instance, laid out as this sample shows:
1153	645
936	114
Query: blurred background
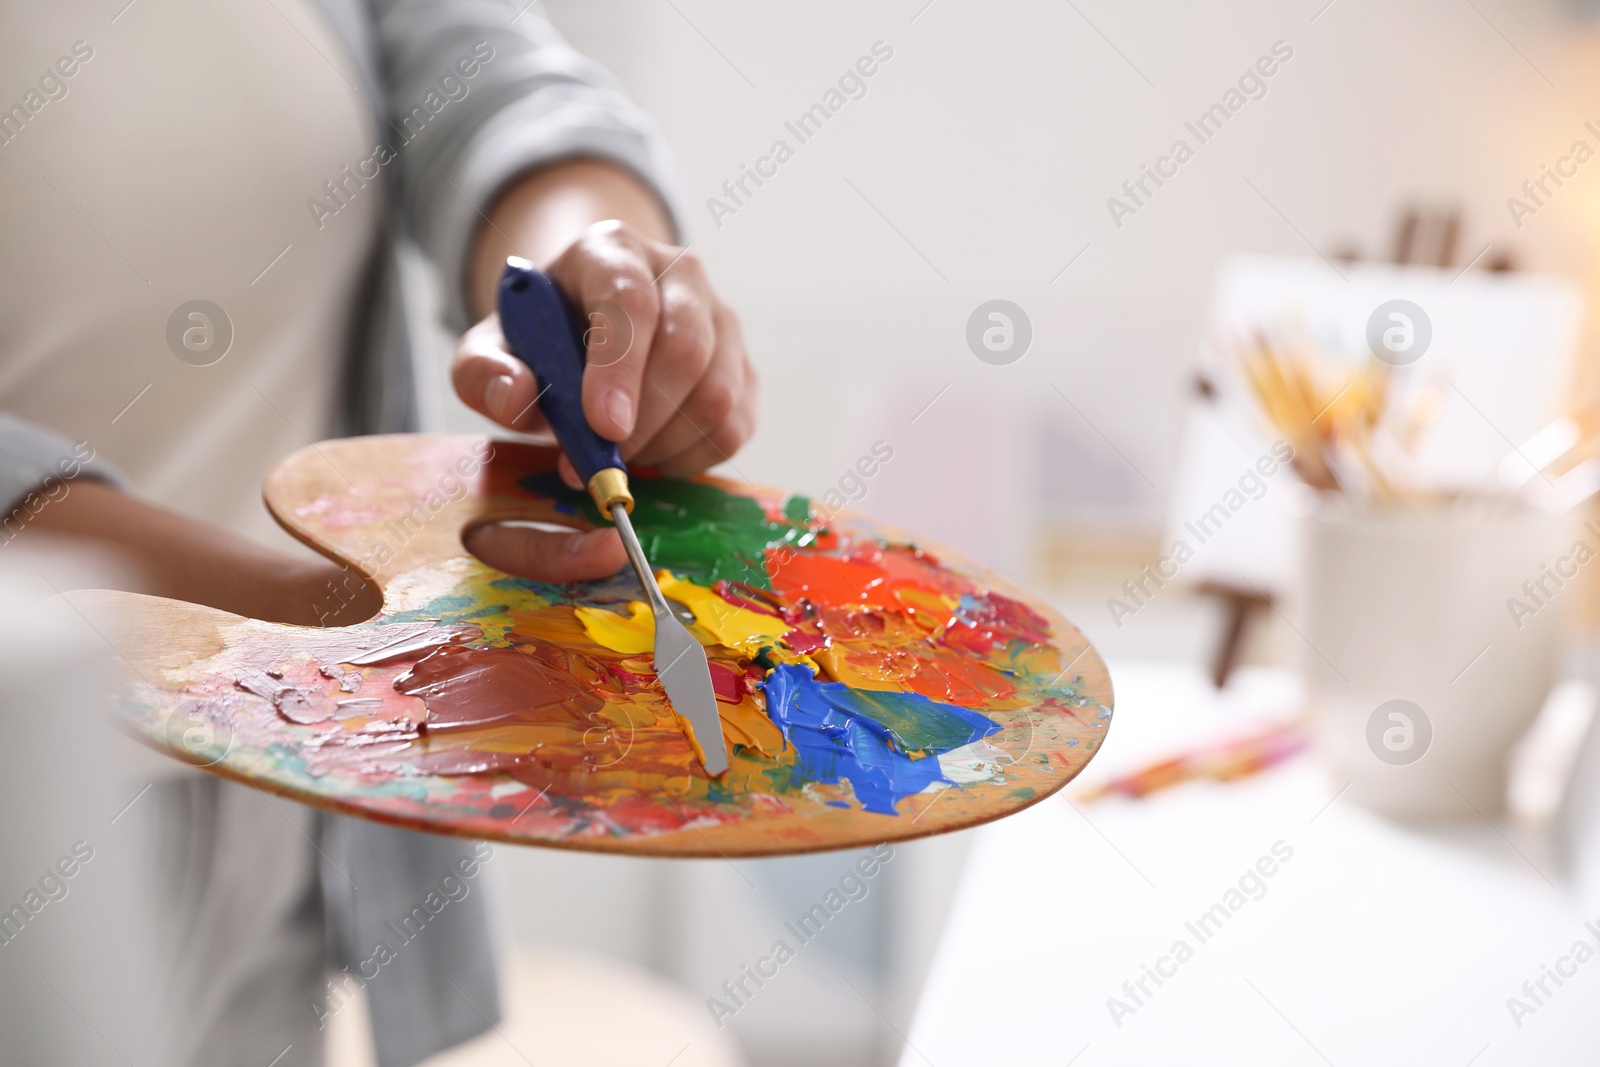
978	166
1388	156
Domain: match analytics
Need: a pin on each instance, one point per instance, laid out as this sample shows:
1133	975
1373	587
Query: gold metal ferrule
610	486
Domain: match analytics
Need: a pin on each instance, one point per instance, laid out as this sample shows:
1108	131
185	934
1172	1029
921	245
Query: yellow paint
717	622
859	672
727	623
746	723
930	610
629	634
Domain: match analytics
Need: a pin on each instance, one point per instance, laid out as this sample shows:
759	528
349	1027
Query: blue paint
837	736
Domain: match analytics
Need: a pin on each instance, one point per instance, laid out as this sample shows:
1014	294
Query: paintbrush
543	330
1225	762
1337	419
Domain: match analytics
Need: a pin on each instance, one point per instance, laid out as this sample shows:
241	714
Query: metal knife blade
680	660
544	331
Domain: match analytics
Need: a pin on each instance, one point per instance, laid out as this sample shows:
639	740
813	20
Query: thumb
547	555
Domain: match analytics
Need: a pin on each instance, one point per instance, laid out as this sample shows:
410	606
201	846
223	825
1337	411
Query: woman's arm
187	560
541	215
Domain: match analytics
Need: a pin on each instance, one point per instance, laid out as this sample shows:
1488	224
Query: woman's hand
667	378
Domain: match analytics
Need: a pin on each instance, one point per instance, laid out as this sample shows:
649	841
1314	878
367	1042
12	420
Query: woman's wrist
541	214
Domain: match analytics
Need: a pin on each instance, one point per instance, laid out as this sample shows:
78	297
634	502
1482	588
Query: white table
1374	943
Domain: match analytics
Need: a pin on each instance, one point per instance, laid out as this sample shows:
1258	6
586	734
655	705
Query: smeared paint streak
408	646
293	703
937	674
734	626
838	734
742	595
601	753
739	629
743	721
696	529
828	581
920	727
464	688
370	646
631	634
894	621
728	685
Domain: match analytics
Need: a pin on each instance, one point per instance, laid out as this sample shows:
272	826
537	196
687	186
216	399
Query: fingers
492	381
608	274
717	416
681	351
547	555
568	473
666	376
716	445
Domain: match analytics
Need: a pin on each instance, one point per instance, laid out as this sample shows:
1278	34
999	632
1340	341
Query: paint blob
698	529
878	741
464	688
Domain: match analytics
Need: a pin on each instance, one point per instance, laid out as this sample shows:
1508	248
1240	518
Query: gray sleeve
33	458
531	100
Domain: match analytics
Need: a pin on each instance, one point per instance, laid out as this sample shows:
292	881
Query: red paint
744	596
805	642
994	621
729	687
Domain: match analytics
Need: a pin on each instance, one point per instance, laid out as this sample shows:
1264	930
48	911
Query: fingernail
497	397
585	541
619	406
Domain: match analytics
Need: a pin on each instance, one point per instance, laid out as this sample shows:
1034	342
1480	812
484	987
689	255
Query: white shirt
175	164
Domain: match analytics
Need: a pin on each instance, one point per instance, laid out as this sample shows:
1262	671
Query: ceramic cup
1431	636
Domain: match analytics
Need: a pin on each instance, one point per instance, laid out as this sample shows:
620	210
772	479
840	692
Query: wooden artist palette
872	687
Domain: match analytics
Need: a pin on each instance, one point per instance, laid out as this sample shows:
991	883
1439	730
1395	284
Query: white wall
992	140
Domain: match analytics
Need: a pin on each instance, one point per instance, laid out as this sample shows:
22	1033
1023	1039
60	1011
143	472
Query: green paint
907	718
699	531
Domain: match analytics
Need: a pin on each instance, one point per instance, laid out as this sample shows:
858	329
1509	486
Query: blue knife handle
545	331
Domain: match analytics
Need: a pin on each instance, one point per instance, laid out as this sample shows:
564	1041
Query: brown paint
466	688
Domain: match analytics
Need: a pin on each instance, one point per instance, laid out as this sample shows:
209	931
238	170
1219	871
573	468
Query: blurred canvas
1500	354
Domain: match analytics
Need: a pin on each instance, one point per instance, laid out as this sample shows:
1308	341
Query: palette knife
544	330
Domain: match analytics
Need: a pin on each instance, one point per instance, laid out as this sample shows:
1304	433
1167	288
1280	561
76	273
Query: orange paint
828	581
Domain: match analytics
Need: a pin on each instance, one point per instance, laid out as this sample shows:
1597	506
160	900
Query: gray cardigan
537	101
